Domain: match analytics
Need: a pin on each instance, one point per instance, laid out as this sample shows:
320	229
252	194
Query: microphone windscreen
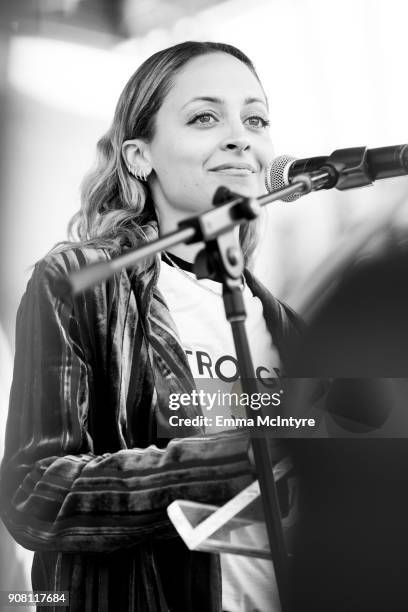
276	176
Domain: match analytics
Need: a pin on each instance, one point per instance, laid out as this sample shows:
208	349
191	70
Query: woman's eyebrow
215	100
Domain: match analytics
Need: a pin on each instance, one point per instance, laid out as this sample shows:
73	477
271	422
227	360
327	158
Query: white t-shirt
198	311
197	308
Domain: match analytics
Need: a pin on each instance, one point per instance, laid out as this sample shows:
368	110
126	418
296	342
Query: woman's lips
234	172
240	170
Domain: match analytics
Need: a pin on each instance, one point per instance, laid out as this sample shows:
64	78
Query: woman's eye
203	119
257	121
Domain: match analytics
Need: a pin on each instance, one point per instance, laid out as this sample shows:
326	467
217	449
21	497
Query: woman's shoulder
51	274
66	259
285	325
272	303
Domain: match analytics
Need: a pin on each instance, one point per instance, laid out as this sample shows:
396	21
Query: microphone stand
224	260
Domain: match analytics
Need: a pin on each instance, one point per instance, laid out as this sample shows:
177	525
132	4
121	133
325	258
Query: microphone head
277	176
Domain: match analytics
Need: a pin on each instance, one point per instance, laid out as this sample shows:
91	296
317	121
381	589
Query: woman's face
211	130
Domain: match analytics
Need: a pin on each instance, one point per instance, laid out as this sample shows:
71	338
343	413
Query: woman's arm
56	493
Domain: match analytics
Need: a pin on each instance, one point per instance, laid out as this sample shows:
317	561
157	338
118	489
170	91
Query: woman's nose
237	139
236	144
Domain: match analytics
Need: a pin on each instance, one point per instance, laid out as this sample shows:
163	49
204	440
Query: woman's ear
137	157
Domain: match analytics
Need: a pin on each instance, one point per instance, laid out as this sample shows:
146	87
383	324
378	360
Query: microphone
348	168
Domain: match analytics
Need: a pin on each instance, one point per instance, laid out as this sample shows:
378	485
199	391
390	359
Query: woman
85	478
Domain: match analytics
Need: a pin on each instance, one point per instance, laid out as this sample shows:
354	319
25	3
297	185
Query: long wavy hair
116	206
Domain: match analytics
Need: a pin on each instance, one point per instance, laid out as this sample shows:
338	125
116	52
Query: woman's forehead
214	75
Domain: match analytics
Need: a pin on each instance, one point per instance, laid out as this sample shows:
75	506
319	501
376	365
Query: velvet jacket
85	480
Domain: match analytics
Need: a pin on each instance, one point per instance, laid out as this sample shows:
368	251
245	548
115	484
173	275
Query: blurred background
335	75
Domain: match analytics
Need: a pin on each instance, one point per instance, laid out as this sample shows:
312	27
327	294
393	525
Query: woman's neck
188	252
168	222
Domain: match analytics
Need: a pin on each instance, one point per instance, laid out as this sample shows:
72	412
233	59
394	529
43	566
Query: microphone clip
351	167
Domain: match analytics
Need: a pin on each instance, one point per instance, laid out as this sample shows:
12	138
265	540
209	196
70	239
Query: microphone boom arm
201	228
